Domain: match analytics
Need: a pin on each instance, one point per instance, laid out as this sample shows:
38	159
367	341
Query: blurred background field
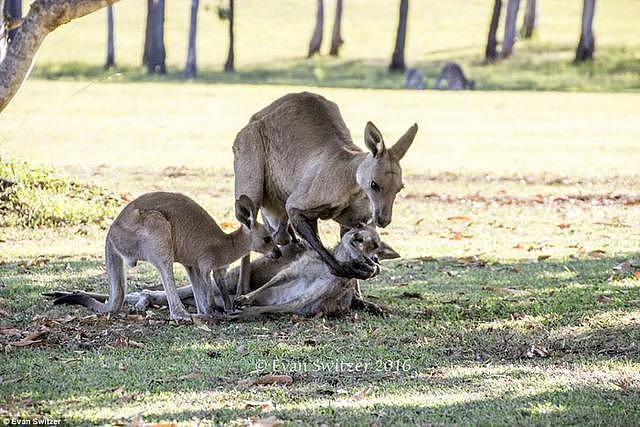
272	38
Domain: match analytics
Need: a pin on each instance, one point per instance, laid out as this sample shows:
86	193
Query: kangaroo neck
238	245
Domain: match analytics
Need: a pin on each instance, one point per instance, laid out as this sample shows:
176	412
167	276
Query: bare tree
111	60
510	19
154	52
229	65
397	59
13	11
316	37
491	53
336	35
43	17
530	21
191	69
587	43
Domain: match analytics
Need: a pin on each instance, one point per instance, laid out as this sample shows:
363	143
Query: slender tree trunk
43	17
336	35
111	56
191	69
4	31
397	59
491	54
316	37
587	43
510	19
13	10
530	21
154	52
229	65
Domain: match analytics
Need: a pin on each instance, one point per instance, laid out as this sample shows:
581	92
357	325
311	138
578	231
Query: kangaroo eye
375	187
267	239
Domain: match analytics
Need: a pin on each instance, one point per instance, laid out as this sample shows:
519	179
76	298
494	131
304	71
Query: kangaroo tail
96	302
81	298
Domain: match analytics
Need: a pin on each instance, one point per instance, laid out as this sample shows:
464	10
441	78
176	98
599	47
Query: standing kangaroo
295	159
163	228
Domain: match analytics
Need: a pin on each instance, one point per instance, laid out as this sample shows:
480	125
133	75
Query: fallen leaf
228	224
603	299
456	236
362	393
598	253
266	405
136	344
242	350
273	379
537	351
637	275
460	218
543	257
563	226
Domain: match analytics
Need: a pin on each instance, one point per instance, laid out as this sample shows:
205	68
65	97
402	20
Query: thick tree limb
43	17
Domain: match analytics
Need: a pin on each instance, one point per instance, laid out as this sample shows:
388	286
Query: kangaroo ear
400	148
373	139
245	211
386	252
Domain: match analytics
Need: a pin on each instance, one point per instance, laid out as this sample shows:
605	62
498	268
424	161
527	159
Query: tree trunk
4	32
316	37
229	65
587	43
491	54
336	35
111	60
43	17
510	19
154	53
13	10
530	21
190	69
397	59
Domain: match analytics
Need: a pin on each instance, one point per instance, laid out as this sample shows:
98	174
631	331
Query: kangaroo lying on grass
163	228
299	282
295	159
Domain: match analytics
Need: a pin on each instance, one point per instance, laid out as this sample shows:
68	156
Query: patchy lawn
505	308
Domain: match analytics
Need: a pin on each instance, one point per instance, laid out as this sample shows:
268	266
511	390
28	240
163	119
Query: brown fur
163	228
296	160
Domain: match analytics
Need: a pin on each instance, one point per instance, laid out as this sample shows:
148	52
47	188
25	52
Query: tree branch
43	17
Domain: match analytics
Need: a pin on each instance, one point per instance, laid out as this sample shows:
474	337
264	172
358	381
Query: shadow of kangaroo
295	159
163	228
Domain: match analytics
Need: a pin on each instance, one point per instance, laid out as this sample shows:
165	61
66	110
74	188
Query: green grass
272	38
560	349
35	196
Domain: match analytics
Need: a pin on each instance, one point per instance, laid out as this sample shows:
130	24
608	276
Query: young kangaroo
163	228
453	75
295	159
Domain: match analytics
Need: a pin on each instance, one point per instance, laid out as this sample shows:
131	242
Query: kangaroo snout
275	253
382	220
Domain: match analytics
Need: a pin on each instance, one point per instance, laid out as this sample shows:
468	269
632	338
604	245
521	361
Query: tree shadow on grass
445	312
534	68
